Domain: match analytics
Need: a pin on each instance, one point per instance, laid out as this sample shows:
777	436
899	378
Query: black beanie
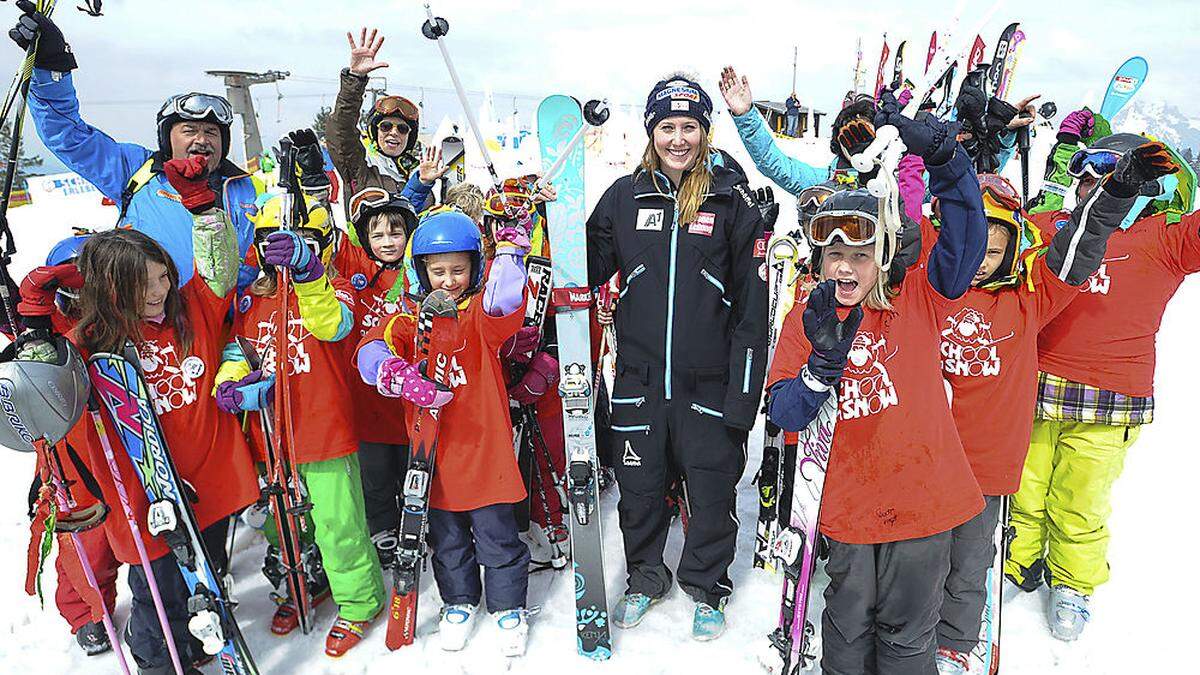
678	96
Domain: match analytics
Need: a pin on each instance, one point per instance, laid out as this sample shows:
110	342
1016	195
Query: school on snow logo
173	382
968	347
299	360
866	386
1100	282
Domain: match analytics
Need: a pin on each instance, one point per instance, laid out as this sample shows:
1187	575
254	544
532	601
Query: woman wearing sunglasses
897	481
989	357
388	157
1095	388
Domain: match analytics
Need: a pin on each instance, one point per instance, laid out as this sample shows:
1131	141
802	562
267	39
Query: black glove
309	160
767	206
927	136
1145	163
830	337
53	52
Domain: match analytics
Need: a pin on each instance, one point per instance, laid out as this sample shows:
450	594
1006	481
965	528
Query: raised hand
1027	112
431	167
363	53
736	91
1147	162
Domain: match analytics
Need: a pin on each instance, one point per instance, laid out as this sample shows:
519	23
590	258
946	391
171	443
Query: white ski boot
1067	613
455	626
514	630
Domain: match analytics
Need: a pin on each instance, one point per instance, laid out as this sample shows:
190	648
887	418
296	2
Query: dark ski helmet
447	230
194	106
371	201
853	217
41	401
394	106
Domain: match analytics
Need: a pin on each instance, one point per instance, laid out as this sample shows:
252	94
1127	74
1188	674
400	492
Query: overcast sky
143	50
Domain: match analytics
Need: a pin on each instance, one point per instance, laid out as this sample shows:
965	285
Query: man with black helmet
192	124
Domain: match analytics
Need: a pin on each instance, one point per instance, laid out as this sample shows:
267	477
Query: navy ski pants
462	541
144	633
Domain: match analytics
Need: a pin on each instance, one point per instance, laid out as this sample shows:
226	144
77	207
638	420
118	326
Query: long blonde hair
696	180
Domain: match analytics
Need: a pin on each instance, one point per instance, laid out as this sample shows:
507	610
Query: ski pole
436	28
595	113
136	531
1023	149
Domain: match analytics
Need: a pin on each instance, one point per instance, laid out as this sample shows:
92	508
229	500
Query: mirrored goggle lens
853	228
396	105
516	202
813	197
1096	163
199	106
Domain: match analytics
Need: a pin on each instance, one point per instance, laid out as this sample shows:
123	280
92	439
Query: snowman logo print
377	307
866	386
173	384
968	347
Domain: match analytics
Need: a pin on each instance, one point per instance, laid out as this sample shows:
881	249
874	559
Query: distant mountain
1163	120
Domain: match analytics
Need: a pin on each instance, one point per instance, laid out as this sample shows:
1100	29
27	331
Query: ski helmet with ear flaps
447	230
39	400
194	106
372	201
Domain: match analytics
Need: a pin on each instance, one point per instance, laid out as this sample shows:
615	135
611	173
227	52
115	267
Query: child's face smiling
450	272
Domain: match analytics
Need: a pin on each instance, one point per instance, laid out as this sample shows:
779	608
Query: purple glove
398	378
520	347
1079	124
288	249
252	392
541	377
904	97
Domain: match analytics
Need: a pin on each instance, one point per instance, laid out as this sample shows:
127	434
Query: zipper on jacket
746	374
671	297
637	271
644	428
716	284
707	411
635	401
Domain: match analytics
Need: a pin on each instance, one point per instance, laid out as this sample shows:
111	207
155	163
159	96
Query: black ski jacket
693	299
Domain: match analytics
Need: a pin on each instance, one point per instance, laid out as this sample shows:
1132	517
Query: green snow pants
338	524
1060	512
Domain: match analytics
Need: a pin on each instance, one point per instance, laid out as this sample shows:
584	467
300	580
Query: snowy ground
1144	602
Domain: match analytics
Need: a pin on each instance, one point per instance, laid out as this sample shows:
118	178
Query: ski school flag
1125	83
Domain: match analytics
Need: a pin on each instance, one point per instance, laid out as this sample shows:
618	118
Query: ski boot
708	622
287	619
632	608
951	661
345	634
1067	613
514	630
93	639
455	626
386	543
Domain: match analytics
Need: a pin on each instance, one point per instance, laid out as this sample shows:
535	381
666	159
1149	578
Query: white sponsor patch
650	219
631	458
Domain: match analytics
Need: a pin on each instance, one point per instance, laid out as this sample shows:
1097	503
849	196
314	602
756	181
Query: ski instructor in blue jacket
127	173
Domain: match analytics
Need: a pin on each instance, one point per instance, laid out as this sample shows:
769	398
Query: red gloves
189	178
522	344
40	285
541	377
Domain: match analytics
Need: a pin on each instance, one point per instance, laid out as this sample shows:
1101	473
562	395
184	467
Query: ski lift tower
237	90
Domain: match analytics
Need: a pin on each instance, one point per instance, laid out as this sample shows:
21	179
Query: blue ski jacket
788	173
155	209
951	267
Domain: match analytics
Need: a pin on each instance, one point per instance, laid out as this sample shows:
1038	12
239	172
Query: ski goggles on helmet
366	199
852	227
1094	163
197	106
811	198
396	106
1000	190
513	192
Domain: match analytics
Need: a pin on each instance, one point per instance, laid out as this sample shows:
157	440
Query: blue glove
927	136
288	249
252	392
